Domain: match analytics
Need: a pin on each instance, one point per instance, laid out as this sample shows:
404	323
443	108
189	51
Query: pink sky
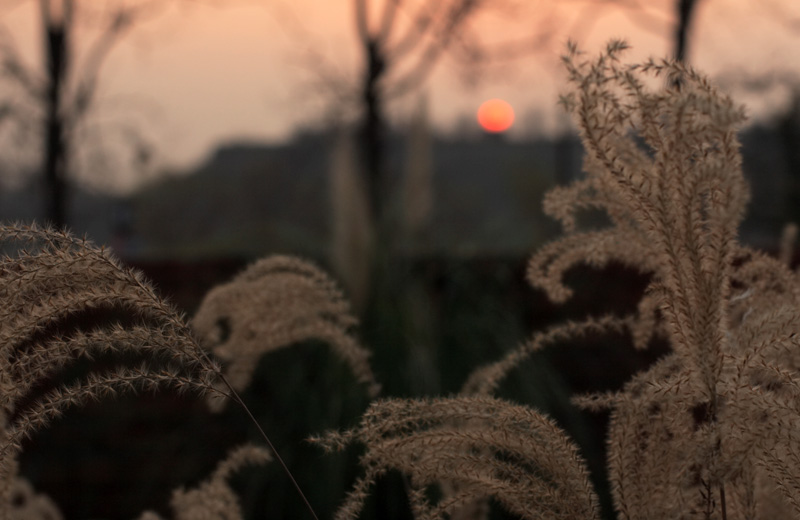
196	76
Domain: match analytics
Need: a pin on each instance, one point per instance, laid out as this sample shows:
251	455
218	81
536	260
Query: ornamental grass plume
214	498
277	302
27	504
47	281
480	446
699	432
712	429
52	287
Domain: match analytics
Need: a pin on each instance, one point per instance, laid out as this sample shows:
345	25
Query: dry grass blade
485	380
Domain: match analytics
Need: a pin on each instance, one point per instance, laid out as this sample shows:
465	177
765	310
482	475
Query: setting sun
495	115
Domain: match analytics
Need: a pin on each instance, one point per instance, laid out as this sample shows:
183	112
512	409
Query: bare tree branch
783	16
468	49
86	88
427	57
387	19
643	15
362	24
15	69
421	23
10	5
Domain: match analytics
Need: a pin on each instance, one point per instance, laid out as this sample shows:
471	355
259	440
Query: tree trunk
686	9
55	160
372	130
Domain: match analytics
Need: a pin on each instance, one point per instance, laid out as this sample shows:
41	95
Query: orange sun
495	116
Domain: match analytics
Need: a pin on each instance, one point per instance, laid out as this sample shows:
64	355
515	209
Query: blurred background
195	136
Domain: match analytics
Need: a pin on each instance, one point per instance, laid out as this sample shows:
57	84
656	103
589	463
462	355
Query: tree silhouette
401	43
65	89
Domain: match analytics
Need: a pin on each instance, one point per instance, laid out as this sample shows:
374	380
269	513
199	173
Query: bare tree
65	88
401	43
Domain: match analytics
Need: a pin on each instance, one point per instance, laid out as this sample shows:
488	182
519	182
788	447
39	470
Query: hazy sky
197	75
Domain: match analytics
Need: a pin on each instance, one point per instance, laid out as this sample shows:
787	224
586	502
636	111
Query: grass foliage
710	430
